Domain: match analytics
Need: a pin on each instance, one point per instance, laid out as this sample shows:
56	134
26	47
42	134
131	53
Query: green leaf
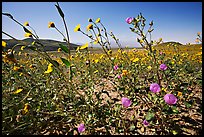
60	11
64	48
149	116
132	127
187	104
66	62
174	109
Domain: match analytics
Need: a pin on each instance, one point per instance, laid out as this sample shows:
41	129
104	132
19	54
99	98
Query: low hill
50	45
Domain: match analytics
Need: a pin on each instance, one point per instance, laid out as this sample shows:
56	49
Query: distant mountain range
50	45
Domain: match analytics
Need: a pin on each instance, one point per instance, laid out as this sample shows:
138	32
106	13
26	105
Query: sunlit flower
26	24
15	68
97	40
149	67
97	20
22	47
49	68
3	44
26	108
51	25
163	67
126	102
109	52
28	35
135	60
179	94
129	20
18	91
59	50
115	67
198	33
145	122
170	99
77	28
95	71
81	128
84	46
124	72
154	87
89	27
119	76
164	89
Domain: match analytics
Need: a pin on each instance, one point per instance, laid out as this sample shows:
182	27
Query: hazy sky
173	21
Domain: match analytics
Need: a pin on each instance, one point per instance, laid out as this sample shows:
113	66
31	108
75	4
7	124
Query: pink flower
81	128
129	20
163	67
119	76
126	102
170	99
115	67
154	87
145	122
160	53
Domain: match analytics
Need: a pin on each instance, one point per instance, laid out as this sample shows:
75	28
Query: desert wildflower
95	71
126	102
28	35
89	27
97	40
22	47
84	46
26	108
198	33
26	24
3	44
135	60
77	28
163	67
145	122
97	20
15	68
18	91
81	128
96	60
119	76
59	50
115	67
129	20
154	87
124	72
51	25
109	52
49	68
149	67
179	94
170	99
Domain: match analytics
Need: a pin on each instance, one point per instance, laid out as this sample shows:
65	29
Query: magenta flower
170	99
115	67
160	53
163	67
119	76
81	128
129	20
126	102
154	87
145	122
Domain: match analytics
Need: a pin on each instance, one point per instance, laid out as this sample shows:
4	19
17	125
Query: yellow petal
3	44
18	91
49	68
84	46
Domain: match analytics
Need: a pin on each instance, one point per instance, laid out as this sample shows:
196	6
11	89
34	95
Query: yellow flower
77	28
49	68
59	50
124	72
22	47
90	26
101	56
135	60
98	20
3	44
26	108
172	62
95	71
84	46
149	67
51	25
96	60
198	33
28	35
26	24
18	91
164	89
179	94
15	68
201	48
20	74
109	52
19	53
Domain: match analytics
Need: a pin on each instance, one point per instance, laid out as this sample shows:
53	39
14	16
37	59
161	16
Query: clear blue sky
173	21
